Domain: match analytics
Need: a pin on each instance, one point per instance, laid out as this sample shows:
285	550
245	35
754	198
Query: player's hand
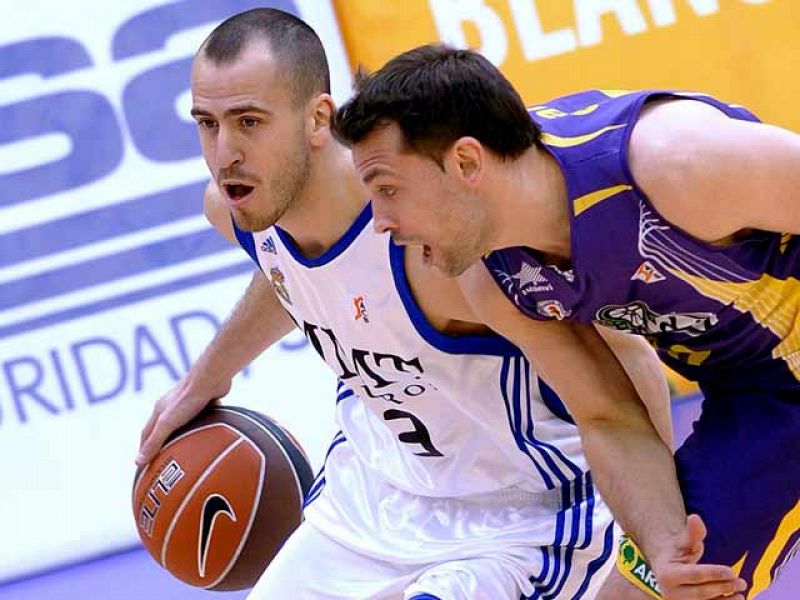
681	577
175	408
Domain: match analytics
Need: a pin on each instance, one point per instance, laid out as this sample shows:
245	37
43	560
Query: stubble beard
467	243
284	190
456	260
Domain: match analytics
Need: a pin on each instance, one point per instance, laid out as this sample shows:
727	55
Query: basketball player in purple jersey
668	215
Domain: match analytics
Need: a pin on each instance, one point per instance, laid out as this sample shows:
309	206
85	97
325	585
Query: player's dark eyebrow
233	111
246	108
373	172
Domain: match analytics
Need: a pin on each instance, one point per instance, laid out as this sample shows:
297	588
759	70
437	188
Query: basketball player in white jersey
457	473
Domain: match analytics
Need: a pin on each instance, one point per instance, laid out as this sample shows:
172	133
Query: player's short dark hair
437	95
292	41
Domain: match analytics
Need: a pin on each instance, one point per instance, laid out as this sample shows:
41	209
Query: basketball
221	497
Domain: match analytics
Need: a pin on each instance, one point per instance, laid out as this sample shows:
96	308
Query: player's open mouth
426	253
237	192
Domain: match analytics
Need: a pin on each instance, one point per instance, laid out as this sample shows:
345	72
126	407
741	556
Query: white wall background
111	281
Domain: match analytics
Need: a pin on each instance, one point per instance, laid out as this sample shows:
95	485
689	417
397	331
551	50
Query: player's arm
712	175
632	466
645	371
257	321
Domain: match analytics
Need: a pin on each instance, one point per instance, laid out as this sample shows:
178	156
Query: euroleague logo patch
647	273
361	309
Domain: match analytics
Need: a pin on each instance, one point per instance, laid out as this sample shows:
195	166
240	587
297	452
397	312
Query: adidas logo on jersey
647	273
268	246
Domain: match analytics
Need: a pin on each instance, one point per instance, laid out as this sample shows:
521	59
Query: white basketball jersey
432	414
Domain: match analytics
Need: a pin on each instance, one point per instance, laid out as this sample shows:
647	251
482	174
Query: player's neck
332	199
532	208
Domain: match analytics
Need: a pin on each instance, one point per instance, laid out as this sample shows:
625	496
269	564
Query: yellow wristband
633	566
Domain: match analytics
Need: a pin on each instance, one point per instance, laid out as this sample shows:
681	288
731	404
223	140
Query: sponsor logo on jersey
385	382
361	309
647	273
531	280
268	246
552	309
633	566
278	280
637	317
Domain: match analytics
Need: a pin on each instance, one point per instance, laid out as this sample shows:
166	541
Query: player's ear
318	118
468	158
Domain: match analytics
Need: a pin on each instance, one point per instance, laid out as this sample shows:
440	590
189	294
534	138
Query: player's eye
206	123
387	191
248	122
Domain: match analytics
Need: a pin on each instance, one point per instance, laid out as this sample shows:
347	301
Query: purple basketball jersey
712	312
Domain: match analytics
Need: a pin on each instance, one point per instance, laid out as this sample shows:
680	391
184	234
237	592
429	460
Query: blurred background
111	282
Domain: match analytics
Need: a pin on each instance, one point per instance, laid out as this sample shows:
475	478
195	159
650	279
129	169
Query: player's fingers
693	555
706	591
158	434
679	575
695	533
148	427
729	590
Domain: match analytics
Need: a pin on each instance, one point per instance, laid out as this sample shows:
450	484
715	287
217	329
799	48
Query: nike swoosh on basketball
213	506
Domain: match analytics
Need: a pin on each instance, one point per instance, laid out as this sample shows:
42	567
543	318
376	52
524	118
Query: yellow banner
743	51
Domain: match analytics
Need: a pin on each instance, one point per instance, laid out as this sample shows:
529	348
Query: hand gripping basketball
176	408
215	505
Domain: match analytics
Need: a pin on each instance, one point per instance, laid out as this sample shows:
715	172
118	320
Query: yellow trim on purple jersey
587	201
774	303
762	576
558	141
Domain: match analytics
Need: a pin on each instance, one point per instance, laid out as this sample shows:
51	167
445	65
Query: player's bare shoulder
486	301
217	213
666	140
677	157
440	298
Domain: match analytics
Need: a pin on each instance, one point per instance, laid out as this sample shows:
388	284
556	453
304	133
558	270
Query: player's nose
227	151
383	223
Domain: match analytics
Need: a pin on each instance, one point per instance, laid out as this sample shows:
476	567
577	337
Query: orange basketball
220	499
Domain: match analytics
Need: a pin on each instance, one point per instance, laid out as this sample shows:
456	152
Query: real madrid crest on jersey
279	283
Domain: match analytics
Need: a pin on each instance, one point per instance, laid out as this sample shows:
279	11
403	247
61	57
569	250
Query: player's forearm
646	372
633	467
635	472
257	321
